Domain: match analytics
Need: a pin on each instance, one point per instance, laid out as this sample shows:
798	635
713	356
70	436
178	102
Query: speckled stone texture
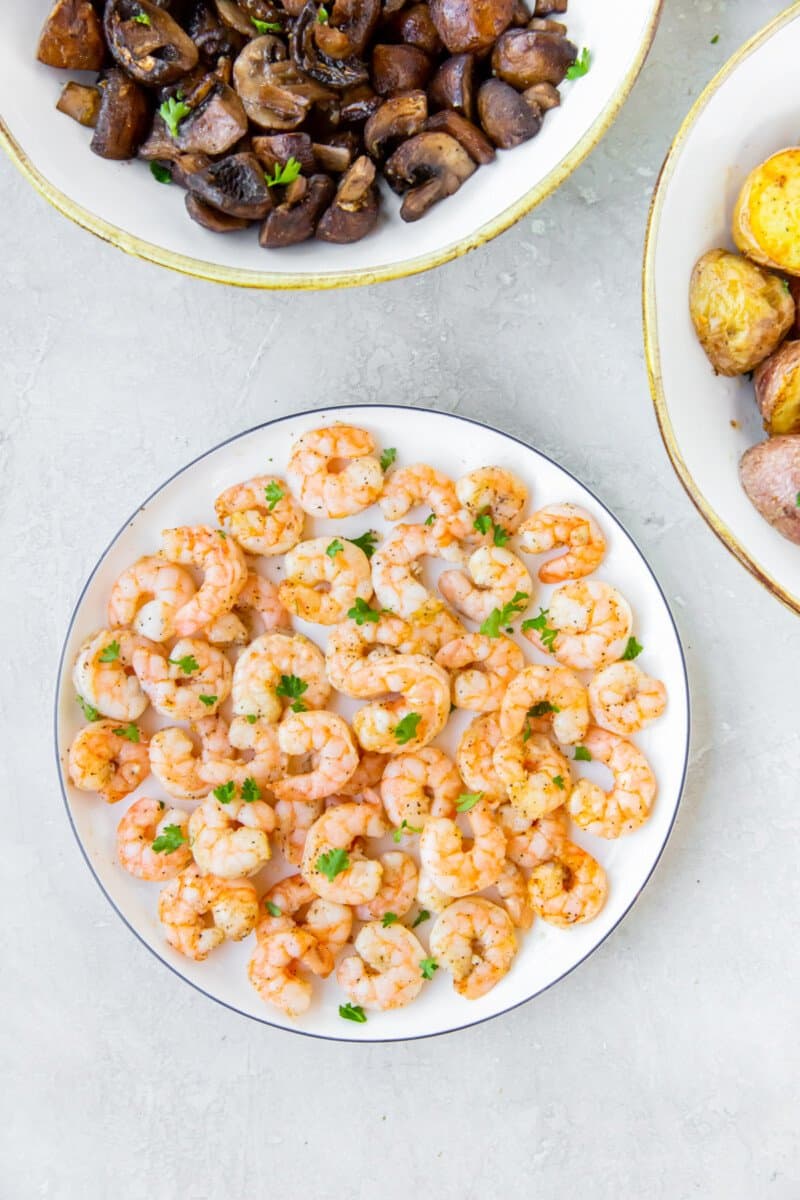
666	1066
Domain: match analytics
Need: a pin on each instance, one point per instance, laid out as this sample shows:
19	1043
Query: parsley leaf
429	520
188	664
428	966
581	65
170	839
361	612
715	39
468	800
353	1012
250	790
397	834
292	687
333	548
501	535
266	26
797	499
110	653
367	542
208	700
547	635
272	908
582	754
333	863
542	709
173	111
272	494
387	458
322	15
388	919
406	730
89	711
632	650
558	780
284	175
142	18
498	618
225	792
129	732
251	718
160	173
483	523
422	915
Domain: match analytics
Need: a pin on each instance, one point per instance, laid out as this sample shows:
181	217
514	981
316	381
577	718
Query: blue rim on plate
263	1020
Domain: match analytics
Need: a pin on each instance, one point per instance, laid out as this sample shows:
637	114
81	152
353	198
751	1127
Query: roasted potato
777	383
770	475
766	220
740	312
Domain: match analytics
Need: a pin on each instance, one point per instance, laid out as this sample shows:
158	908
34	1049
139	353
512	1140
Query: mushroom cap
276	94
354	211
399	68
471	24
234	185
156	53
398	117
476	144
523	58
453	85
290	223
72	37
211	218
434	165
122	118
348	29
307	52
506	116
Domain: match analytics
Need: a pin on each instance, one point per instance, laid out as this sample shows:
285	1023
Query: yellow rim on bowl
651	343
336	279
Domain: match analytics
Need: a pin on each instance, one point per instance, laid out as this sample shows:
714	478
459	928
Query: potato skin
770	475
777	384
739	311
766	219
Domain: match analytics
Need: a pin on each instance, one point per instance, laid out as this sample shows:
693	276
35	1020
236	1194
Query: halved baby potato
777	383
766	220
770	475
740	312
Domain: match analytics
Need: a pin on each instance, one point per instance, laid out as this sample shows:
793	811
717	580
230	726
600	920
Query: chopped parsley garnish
208	700
353	1012
89	711
632	650
422	915
406	730
581	65
322	15
501	535
272	908
542	709
188	664
558	780
468	800
129	732
265	26
361	612
498	618
333	863
173	111
110	653
715	39
367	542
251	718
272	494
160	173
225	792
428	966
797	499
170	839
333	548
292	688
429	520
389	918
142	18
547	635
281	176
387	458
250	790
404	826
483	523
582	754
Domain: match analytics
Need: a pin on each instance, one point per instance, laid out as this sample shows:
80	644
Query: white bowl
746	113
546	953
121	203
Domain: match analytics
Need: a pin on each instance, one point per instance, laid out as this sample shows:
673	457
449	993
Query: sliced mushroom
399	68
309	56
72	37
543	94
155	53
415	26
398	118
184	166
337	153
213	38
212	218
276	94
520	15
433	165
477	146
506	116
235	185
471	24
234	17
81	103
354	212
217	121
543	8
358	103
544	25
123	118
453	85
523	58
276	150
292	222
349	27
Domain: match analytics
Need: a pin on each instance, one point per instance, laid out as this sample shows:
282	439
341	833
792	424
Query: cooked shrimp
105	759
475	757
568	888
474	940
545	691
398	889
420	784
627	805
274	969
294	819
261	514
367	774
482	668
187	683
351	646
532	842
189	901
431	896
454	869
137	837
175	762
104	673
396	567
330	923
243	750
342	828
324	736
258	609
227	629
279	669
566	525
431	627
224	569
496	491
418	484
323	587
231	839
385	970
335	471
535	773
592	622
623	699
418	713
512	888
495	577
147	596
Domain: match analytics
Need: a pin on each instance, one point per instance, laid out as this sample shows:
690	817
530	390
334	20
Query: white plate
723	138
122	203
455	445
